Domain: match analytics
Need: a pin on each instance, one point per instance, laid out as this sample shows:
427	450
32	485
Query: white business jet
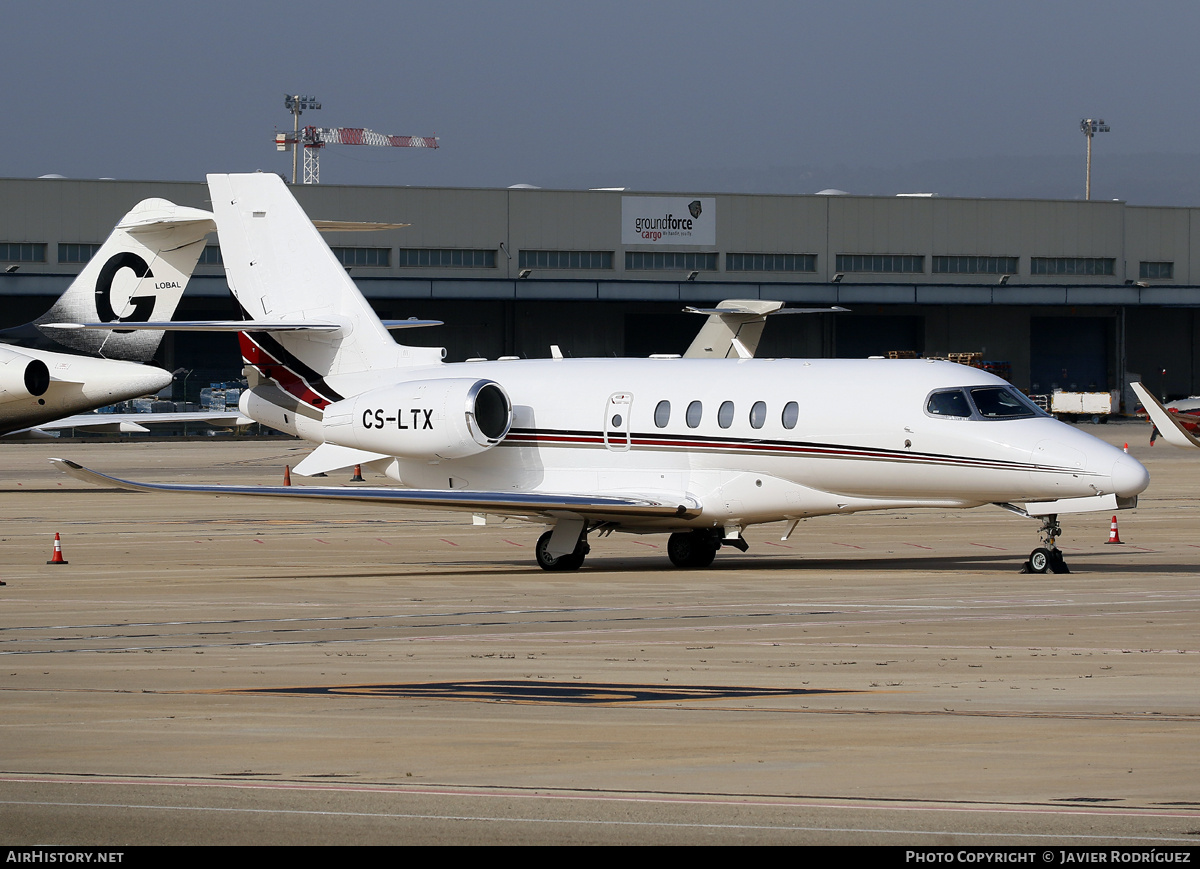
50	369
699	449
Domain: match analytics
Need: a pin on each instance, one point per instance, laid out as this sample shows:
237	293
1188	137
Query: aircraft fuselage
754	440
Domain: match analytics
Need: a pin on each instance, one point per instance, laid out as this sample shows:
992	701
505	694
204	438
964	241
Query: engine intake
21	375
422	419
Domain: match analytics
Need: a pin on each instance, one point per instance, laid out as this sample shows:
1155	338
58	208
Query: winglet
1168	426
79	472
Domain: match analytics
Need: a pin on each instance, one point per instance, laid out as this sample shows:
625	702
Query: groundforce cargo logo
668	220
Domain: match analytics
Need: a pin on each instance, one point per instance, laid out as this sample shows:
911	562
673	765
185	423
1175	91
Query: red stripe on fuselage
563	439
271	368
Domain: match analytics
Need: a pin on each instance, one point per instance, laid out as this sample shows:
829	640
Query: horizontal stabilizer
238	325
734	327
155	215
208	326
508	503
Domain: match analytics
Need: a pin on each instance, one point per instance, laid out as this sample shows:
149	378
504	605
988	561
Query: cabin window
725	414
694	412
999	402
791	415
662	413
758	414
952	402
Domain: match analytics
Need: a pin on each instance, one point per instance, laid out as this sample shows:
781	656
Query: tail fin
280	269
138	275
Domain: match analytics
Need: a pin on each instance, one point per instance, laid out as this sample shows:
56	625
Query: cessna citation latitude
49	368
698	448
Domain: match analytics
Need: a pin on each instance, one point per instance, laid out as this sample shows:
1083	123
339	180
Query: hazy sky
578	94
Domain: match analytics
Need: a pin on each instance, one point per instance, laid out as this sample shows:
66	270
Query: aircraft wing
510	503
1168	425
238	325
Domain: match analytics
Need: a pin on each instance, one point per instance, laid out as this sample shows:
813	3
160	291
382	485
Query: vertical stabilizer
732	330
280	268
137	276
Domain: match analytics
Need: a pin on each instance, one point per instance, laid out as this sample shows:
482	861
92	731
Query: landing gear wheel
1047	558
1039	560
691	549
574	561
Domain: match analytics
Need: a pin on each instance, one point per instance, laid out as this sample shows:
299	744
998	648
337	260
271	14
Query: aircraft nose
1129	476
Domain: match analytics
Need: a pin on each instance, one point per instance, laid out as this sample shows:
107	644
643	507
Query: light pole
296	104
1091	127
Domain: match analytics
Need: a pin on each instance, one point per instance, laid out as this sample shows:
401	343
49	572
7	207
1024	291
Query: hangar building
1071	294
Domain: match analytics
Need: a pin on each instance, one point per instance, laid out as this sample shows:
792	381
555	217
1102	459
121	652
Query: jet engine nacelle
22	376
422	419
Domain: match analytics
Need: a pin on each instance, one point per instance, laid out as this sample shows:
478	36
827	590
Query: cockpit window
951	402
999	402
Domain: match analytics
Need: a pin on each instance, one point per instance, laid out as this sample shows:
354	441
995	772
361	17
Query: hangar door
1070	353
862	335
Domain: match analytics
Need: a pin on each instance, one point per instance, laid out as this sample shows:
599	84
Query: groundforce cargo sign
668	220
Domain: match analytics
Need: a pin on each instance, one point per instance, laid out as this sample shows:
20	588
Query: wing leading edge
550	505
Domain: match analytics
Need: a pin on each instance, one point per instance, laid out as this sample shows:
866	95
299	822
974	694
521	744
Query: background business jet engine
422	419
22	376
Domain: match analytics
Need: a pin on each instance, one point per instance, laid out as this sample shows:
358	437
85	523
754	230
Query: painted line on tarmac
1055	836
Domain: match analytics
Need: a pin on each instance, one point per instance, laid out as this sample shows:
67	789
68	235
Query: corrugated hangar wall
1139	316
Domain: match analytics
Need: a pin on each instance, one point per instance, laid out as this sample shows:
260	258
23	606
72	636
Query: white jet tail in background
138	275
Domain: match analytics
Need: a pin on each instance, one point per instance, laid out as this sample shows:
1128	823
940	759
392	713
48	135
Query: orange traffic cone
357	478
287	475
57	559
1113	536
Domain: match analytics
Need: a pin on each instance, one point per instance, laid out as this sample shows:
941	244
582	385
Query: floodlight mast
296	104
1091	127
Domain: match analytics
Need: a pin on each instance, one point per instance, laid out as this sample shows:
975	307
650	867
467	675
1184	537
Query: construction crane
313	139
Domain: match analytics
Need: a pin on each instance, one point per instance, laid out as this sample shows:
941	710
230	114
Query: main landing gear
692	548
698	548
1047	558
689	549
573	561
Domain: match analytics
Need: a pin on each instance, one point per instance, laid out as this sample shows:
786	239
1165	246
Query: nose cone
108	380
1129	476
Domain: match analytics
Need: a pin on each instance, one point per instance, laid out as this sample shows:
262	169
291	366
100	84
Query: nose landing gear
1047	558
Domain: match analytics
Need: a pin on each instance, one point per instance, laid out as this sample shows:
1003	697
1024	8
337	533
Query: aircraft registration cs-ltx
699	449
